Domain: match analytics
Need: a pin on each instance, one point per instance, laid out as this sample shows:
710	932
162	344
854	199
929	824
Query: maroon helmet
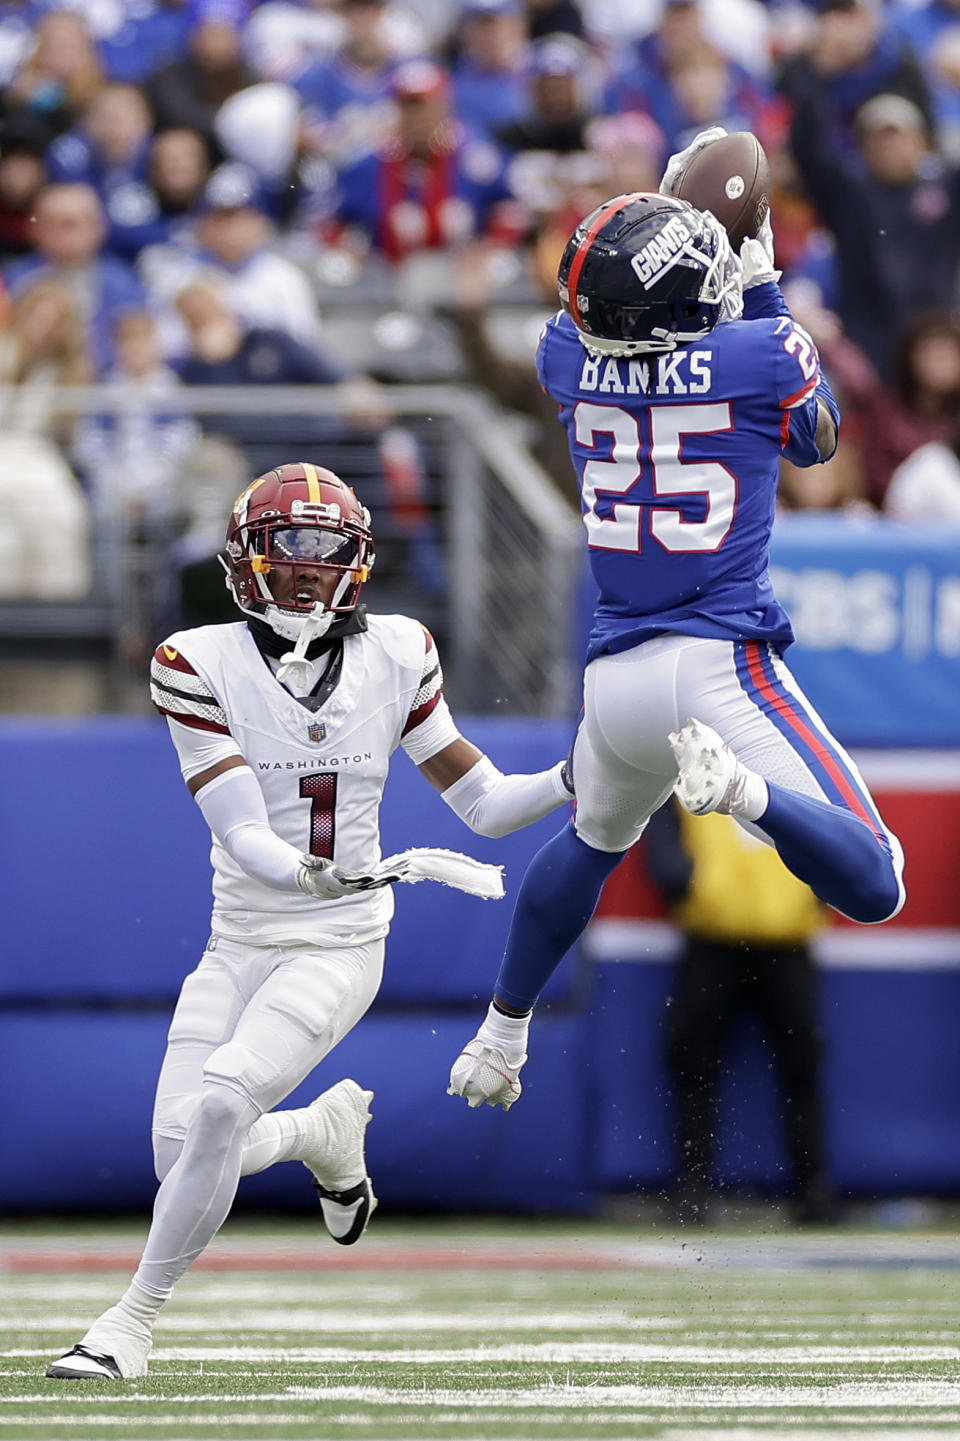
298	517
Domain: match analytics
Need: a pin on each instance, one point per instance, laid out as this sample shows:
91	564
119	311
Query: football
731	178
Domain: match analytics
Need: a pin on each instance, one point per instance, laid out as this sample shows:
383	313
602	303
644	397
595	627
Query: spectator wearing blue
110	150
346	99
133	40
560	101
923	22
230	247
189	91
431	184
489	74
681	77
70	233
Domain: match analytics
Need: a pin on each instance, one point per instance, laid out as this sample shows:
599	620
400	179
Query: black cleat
346	1213
80	1364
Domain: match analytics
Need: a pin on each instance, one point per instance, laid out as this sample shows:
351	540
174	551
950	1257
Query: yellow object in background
741	890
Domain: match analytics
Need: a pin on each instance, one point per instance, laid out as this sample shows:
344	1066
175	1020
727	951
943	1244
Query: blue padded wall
891	1081
132	904
425	1149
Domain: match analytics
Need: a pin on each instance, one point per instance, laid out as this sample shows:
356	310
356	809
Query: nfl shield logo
316	731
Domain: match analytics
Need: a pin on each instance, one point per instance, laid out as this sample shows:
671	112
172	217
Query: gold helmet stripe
313	481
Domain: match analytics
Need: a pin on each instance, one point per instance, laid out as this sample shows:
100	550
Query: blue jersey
677	456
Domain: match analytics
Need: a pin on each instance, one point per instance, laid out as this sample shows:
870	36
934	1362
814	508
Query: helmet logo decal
242	503
661	253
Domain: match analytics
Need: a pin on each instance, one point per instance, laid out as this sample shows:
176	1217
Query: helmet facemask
274	566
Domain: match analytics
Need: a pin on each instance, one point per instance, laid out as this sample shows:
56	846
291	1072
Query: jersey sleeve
180	693
795	365
429	725
545	348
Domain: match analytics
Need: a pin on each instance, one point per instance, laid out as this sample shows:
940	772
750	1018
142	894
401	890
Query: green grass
487	1332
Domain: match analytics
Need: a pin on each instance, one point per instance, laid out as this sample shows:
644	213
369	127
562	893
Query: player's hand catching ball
488	1067
678	163
756	257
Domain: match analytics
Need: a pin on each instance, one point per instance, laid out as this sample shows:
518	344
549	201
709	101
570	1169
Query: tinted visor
311	544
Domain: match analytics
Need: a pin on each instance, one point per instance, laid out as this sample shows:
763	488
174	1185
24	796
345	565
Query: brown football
731	178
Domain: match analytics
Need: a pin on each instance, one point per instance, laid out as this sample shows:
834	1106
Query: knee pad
234	1069
221	1112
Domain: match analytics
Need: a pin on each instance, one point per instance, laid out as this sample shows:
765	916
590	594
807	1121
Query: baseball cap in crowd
419	79
558	55
488	9
889	112
234	13
232	186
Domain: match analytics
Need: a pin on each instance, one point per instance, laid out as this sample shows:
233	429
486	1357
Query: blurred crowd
356	192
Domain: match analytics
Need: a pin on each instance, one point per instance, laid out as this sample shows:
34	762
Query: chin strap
295	663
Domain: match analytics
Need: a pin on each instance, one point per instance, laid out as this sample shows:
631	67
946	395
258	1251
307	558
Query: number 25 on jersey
670	475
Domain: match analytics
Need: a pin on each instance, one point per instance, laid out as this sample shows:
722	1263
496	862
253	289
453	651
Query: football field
487	1331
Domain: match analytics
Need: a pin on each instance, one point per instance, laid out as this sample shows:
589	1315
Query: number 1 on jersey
670	475
321	791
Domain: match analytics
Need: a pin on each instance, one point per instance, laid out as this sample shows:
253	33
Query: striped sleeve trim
792	401
430	689
176	690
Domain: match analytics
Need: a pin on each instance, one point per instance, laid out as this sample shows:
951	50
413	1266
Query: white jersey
322	772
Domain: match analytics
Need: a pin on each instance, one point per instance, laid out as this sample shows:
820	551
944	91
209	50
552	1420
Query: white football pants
251	1023
624	768
258	1019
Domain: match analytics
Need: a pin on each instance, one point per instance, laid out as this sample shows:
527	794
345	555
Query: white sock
756	796
277	1136
139	1305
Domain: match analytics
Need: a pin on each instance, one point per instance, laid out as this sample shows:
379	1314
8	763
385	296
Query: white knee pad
234	1069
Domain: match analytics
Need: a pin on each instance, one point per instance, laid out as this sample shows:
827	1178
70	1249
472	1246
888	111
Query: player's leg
622	770
211	1000
323	994
301	1009
776	764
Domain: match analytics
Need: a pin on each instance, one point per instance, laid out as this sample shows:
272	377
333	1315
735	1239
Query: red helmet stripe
613	208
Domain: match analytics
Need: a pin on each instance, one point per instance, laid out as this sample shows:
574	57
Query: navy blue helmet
648	272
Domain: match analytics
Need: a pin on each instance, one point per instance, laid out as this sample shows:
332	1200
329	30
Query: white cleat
711	778
110	1350
338	1120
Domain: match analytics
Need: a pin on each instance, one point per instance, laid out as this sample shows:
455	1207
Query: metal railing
488	555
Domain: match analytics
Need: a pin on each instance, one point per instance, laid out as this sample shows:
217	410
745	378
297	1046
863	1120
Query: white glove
325	881
488	1067
678	163
756	257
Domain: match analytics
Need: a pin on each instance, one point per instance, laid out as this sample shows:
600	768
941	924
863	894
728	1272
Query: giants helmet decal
292	524
647	273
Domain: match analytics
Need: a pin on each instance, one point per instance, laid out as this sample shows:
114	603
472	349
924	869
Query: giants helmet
297	518
648	273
